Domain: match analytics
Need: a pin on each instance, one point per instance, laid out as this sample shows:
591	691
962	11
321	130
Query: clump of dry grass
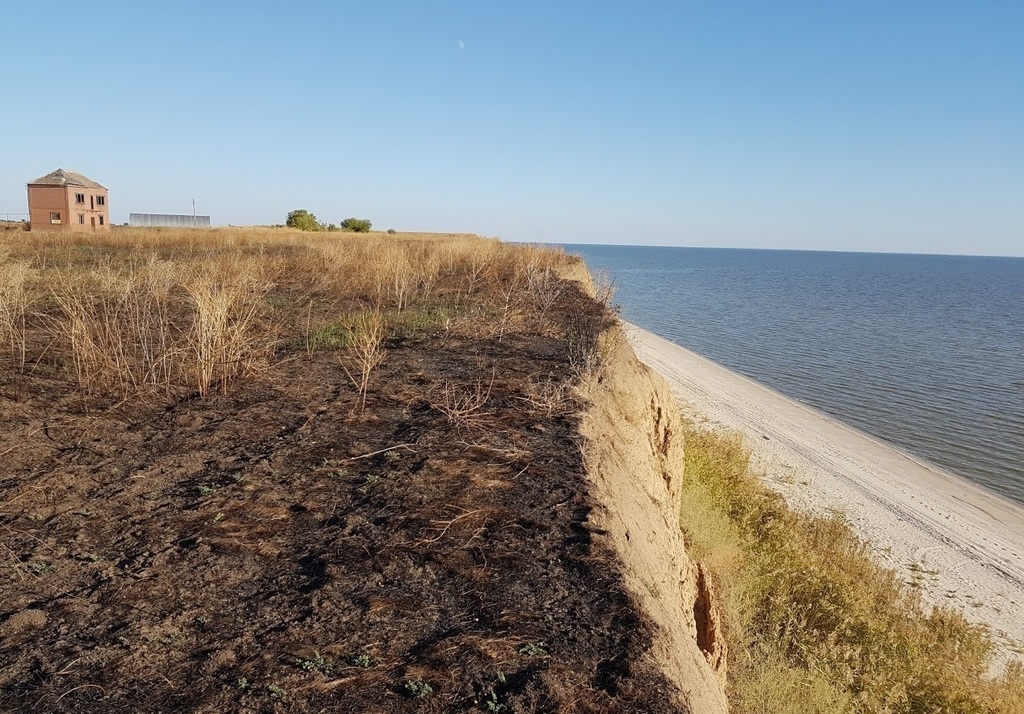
818	625
117	326
14	302
224	341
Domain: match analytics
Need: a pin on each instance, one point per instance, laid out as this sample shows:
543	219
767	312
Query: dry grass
815	624
224	341
117	326
14	303
141	311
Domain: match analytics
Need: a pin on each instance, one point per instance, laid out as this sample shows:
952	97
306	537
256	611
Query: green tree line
306	221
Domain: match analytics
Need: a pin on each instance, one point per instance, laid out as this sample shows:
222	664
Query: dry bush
587	341
604	288
546	395
543	286
463	406
368	329
820	625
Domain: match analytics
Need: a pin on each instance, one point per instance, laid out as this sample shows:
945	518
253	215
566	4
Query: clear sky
893	126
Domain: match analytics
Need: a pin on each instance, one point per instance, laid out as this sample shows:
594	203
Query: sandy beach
961	545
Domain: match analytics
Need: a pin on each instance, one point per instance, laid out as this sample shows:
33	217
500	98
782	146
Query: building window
81	218
101	220
92	203
79	198
54	218
101	200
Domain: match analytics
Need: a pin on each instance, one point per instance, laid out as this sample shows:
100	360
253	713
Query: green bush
303	220
356	225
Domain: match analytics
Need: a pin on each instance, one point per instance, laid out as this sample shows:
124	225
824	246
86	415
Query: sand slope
961	544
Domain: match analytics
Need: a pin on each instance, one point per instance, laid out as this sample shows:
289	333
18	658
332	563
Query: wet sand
961	545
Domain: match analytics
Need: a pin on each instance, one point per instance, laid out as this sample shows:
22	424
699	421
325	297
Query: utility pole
193	208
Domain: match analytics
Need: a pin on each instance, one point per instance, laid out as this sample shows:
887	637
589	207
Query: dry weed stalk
507	289
366	353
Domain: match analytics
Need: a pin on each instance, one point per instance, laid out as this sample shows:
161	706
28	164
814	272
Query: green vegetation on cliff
813	623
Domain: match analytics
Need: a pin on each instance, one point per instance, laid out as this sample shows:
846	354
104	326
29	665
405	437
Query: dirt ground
277	549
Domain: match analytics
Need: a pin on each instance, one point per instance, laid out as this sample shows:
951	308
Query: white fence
167	220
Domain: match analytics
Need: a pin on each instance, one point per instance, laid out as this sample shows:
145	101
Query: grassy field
813	623
262	470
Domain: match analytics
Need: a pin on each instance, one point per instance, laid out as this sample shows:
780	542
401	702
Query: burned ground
277	548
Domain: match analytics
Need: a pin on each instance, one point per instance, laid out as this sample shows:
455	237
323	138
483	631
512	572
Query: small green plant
205	490
332	336
362	660
317	663
531	649
243	684
40	568
276	691
492	699
418	689
369	483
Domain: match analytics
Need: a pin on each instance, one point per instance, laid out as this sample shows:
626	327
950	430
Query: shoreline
959	544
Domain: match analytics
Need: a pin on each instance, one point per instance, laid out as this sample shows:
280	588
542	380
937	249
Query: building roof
64	177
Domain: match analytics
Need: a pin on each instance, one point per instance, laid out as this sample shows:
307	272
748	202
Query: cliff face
634	456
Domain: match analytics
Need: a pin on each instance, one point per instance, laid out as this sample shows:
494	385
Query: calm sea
926	352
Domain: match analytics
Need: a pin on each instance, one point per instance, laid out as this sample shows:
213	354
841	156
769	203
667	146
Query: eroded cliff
634	456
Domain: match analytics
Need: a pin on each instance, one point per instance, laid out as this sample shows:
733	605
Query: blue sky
824	125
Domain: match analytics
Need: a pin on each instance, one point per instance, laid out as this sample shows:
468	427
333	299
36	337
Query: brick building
67	201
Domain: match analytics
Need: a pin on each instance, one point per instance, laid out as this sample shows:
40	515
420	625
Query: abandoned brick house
65	200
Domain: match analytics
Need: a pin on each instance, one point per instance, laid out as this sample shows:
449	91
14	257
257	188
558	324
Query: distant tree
303	220
356	225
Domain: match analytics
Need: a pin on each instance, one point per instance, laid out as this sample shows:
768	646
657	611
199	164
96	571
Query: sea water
923	351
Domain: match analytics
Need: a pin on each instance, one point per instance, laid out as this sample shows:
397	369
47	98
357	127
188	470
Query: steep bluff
634	456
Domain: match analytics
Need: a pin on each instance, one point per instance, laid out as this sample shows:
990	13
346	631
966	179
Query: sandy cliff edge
634	457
